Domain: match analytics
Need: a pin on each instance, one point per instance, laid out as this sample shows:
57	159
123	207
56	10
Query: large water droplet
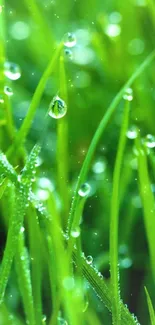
8	91
89	259
69	40
84	190
75	232
150	141
128	95
12	70
58	108
132	132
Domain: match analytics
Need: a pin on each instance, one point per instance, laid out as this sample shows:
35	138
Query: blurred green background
112	39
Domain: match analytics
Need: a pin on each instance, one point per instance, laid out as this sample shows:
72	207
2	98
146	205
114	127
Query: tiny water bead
69	40
68	54
89	259
150	141
112	30
12	70
84	190
99	167
75	233
57	108
132	132
8	91
128	94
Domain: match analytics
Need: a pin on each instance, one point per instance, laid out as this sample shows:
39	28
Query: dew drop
12	70
89	259
22	229
8	91
61	321
69	40
128	95
84	190
99	166
112	30
58	108
44	318
75	232
68	283
68	54
150	141
132	132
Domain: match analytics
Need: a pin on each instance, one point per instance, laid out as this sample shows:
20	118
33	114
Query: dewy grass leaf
29	170
22	133
103	291
150	307
36	260
15	225
116	310
24	279
148	201
111	109
6	169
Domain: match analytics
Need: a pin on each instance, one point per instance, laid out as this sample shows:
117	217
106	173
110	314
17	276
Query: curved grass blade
150	307
111	109
147	201
22	133
116	310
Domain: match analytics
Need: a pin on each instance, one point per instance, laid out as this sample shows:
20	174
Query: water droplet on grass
128	95
84	190
99	167
20	30
89	259
132	132
61	321
150	141
68	283
12	70
8	91
22	229
112	30
68	54
75	232
58	108
69	40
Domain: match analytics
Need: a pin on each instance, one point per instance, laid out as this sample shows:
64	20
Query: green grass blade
111	109
150	307
6	169
62	146
24	280
115	220
36	265
103	291
22	133
15	225
147	201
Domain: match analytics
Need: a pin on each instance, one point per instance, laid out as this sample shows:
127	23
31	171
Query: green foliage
73	204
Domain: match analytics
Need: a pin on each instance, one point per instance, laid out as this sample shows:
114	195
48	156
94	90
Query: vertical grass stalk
114	221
